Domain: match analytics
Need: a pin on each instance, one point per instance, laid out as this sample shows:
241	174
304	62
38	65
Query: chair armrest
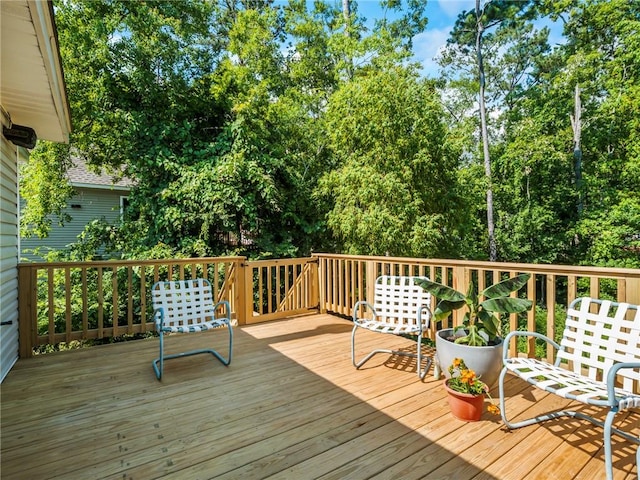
611	378
227	307
424	308
362	303
518	333
158	317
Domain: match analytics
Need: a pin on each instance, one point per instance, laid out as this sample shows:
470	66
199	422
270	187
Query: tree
395	188
45	188
223	132
468	38
602	57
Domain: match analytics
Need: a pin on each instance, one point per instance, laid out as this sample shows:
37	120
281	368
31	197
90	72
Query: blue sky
442	15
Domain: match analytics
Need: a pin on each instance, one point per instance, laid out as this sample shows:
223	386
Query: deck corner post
27	310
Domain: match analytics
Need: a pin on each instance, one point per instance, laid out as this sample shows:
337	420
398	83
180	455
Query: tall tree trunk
346	13
493	252
576	125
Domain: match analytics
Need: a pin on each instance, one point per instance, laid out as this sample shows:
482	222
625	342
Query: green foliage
612	237
550	208
541	327
299	130
536	195
395	186
45	188
223	134
479	324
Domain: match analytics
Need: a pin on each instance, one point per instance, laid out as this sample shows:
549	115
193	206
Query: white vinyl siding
88	204
8	256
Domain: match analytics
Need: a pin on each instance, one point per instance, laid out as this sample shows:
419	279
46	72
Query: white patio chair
601	346
400	307
187	306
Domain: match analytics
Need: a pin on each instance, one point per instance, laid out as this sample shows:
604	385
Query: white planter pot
485	361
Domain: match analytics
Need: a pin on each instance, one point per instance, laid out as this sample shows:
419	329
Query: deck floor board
290	406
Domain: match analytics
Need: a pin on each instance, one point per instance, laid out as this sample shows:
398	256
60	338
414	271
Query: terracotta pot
465	406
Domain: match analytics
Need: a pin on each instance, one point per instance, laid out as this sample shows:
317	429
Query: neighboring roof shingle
79	173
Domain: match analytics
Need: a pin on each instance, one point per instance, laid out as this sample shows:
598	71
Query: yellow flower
466	382
468	377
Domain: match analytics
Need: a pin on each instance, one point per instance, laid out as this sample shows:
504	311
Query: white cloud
426	46
452	8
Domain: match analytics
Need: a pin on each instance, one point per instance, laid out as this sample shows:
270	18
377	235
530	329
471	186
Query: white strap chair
187	306
400	307
601	346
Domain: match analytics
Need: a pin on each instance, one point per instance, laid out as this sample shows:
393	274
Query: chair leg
607	425
225	361
608	462
158	363
421	372
361	362
531	421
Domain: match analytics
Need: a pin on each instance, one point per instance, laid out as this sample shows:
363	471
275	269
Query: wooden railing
62	302
346	279
67	301
281	288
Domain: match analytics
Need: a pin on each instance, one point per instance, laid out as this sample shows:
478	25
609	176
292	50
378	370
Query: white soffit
32	88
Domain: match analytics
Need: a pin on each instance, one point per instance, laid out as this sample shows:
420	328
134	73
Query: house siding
93	204
9	241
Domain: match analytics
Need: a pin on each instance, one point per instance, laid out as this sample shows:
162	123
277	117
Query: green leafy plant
481	322
464	380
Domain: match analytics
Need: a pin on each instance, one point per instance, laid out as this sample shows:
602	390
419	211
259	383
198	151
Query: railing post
371	280
243	287
321	276
633	291
27	310
314	282
461	280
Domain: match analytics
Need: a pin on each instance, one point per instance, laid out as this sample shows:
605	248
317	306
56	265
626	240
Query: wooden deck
290	406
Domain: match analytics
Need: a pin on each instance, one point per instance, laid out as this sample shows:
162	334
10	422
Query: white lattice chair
597	363
187	306
400	307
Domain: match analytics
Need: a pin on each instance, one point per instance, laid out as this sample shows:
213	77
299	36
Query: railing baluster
531	317
85	304
52	308
67	303
114	298
143	298
594	287
129	299
100	305
572	288
551	313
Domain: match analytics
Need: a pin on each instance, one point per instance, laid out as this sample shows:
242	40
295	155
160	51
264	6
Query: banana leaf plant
481	322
